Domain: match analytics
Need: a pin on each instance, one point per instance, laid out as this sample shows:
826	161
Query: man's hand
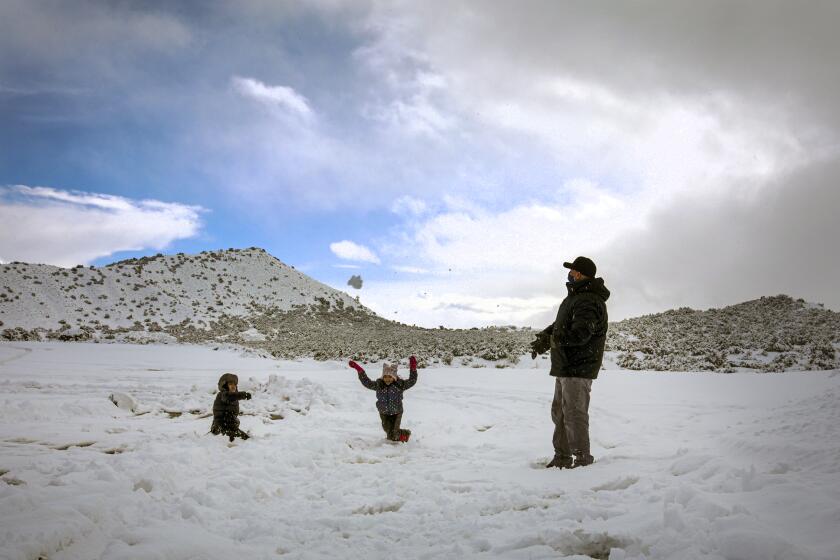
356	366
247	396
412	363
541	343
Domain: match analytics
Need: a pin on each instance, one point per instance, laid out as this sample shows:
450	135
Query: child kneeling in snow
389	396
226	408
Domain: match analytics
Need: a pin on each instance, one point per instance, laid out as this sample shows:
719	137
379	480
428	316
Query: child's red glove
412	363
356	366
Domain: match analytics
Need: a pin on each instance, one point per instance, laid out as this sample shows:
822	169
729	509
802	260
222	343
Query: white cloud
409	205
455	302
412	98
476	266
410	269
526	239
93	200
347	266
418	116
350	251
65	228
282	97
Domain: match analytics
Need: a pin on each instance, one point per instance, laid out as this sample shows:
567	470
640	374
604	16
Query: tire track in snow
23	352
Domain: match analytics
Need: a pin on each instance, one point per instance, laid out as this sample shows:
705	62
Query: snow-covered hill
159	290
246	297
775	333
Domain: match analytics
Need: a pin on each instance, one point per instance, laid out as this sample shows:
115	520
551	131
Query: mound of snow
299	396
123	401
252	335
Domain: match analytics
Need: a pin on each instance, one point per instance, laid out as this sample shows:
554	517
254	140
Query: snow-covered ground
740	466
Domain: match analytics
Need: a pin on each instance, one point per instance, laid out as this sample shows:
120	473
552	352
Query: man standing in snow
576	340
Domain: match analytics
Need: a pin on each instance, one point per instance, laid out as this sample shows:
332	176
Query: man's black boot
560	463
582	461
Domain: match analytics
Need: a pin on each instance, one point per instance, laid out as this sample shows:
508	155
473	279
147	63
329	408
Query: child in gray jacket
389	396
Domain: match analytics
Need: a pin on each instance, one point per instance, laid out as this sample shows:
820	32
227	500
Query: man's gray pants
570	413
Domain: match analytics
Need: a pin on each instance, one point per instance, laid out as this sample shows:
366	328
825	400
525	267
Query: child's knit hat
390	369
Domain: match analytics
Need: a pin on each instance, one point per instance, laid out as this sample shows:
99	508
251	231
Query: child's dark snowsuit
389	400
391	425
226	409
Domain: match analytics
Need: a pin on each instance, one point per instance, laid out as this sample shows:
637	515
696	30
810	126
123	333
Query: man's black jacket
579	333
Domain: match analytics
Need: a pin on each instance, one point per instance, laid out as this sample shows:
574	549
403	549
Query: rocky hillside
245	297
775	333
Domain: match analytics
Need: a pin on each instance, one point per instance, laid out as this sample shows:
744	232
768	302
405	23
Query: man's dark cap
583	265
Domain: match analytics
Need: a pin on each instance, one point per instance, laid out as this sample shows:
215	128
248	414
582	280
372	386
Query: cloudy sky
452	154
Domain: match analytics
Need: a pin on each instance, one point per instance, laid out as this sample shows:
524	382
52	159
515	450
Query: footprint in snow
67	446
22	440
360	460
539	464
622	483
378	508
359	443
